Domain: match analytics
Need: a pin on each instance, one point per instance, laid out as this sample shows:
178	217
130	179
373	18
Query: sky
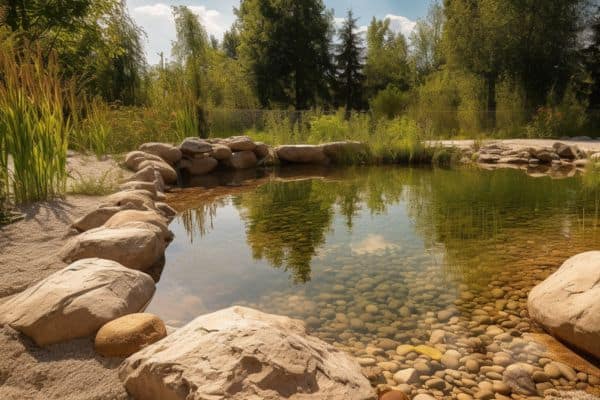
155	17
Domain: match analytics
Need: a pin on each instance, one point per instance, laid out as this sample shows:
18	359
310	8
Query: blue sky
155	17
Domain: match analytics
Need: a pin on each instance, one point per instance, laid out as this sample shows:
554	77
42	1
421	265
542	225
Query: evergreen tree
592	60
285	45
349	66
231	42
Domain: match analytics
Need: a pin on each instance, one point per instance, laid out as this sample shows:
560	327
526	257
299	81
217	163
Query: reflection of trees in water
474	215
197	222
484	219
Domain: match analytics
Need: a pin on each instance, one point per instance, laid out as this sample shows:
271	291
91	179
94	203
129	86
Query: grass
33	123
106	184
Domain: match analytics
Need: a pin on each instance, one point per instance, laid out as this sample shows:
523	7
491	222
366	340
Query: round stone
129	334
393	395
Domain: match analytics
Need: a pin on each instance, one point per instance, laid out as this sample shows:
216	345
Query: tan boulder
148	174
567	303
133	159
345	151
150	187
220	152
167	172
240	143
136	245
302	153
199	165
77	300
126	217
242	354
166	210
129	334
97	217
242	160
139	199
193	146
167	152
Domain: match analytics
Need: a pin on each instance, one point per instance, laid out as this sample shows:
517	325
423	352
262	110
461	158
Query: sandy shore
28	254
591	146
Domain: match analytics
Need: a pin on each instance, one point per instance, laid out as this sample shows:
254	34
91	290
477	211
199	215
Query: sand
28	253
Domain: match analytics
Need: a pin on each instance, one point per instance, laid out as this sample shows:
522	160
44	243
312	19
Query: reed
35	129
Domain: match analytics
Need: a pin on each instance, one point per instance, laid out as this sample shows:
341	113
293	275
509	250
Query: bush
389	102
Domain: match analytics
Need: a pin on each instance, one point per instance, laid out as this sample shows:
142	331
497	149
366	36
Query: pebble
472	365
423	396
435	383
408	375
393	395
450	359
429	351
404	349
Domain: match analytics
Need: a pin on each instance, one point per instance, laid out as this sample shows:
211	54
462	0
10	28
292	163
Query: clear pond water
363	254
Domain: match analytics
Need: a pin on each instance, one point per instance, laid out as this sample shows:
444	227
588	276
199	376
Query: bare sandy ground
591	146
28	253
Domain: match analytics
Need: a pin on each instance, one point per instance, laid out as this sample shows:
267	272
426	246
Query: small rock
408	375
393	395
129	334
518	378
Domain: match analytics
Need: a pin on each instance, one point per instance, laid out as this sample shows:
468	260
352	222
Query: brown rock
193	146
261	150
199	165
220	152
167	172
242	160
167	152
392	395
302	153
133	159
240	143
126	217
129	334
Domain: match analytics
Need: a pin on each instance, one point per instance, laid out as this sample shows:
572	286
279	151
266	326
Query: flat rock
566	303
167	152
240	143
77	300
239	353
302	153
96	218
126	217
167	172
133	159
136	245
199	165
345	151
129	334
193	146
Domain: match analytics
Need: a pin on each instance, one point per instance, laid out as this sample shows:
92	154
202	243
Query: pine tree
349	66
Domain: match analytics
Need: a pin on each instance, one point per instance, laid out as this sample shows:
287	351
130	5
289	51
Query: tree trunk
491	101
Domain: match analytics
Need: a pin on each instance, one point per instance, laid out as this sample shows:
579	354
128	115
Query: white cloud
398	23
372	244
158	23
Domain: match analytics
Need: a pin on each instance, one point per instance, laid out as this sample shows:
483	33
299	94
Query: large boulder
198	165
129	334
166	210
167	152
261	150
243	160
240	143
566	151
126	217
150	187
133	159
134	199
193	146
167	172
302	153
77	300
239	353
345	151
97	217
567	303
148	174
136	245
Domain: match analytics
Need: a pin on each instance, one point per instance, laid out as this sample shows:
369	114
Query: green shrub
389	102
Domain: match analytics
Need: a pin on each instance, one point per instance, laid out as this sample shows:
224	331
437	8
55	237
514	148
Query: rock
193	146
408	375
497	293
147	174
445	315
437	336
435	383
567	372
220	152
137	245
404	349
552	370
518	378
546	157
450	359
269	160
133	159
565	151
488	158
345	151
566	303
77	300
240	143
243	160
424	396
261	150
129	334
472	365
167	172
387	344
393	395
539	376
302	153
199	165
167	152
241	353
97	217
126	217
430	352
595	157
166	210
500	387
513	160
150	187
131	199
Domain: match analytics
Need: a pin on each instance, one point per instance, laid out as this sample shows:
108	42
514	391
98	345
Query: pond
367	253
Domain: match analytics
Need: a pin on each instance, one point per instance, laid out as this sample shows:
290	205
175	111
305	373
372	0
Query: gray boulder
302	153
167	152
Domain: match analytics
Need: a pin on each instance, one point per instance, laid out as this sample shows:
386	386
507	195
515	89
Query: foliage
389	102
94	186
425	40
34	127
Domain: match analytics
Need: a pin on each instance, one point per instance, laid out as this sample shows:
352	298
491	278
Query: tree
285	46
387	58
425	41
189	49
591	55
349	65
231	42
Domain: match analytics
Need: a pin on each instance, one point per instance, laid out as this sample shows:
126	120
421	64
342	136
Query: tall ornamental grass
34	127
